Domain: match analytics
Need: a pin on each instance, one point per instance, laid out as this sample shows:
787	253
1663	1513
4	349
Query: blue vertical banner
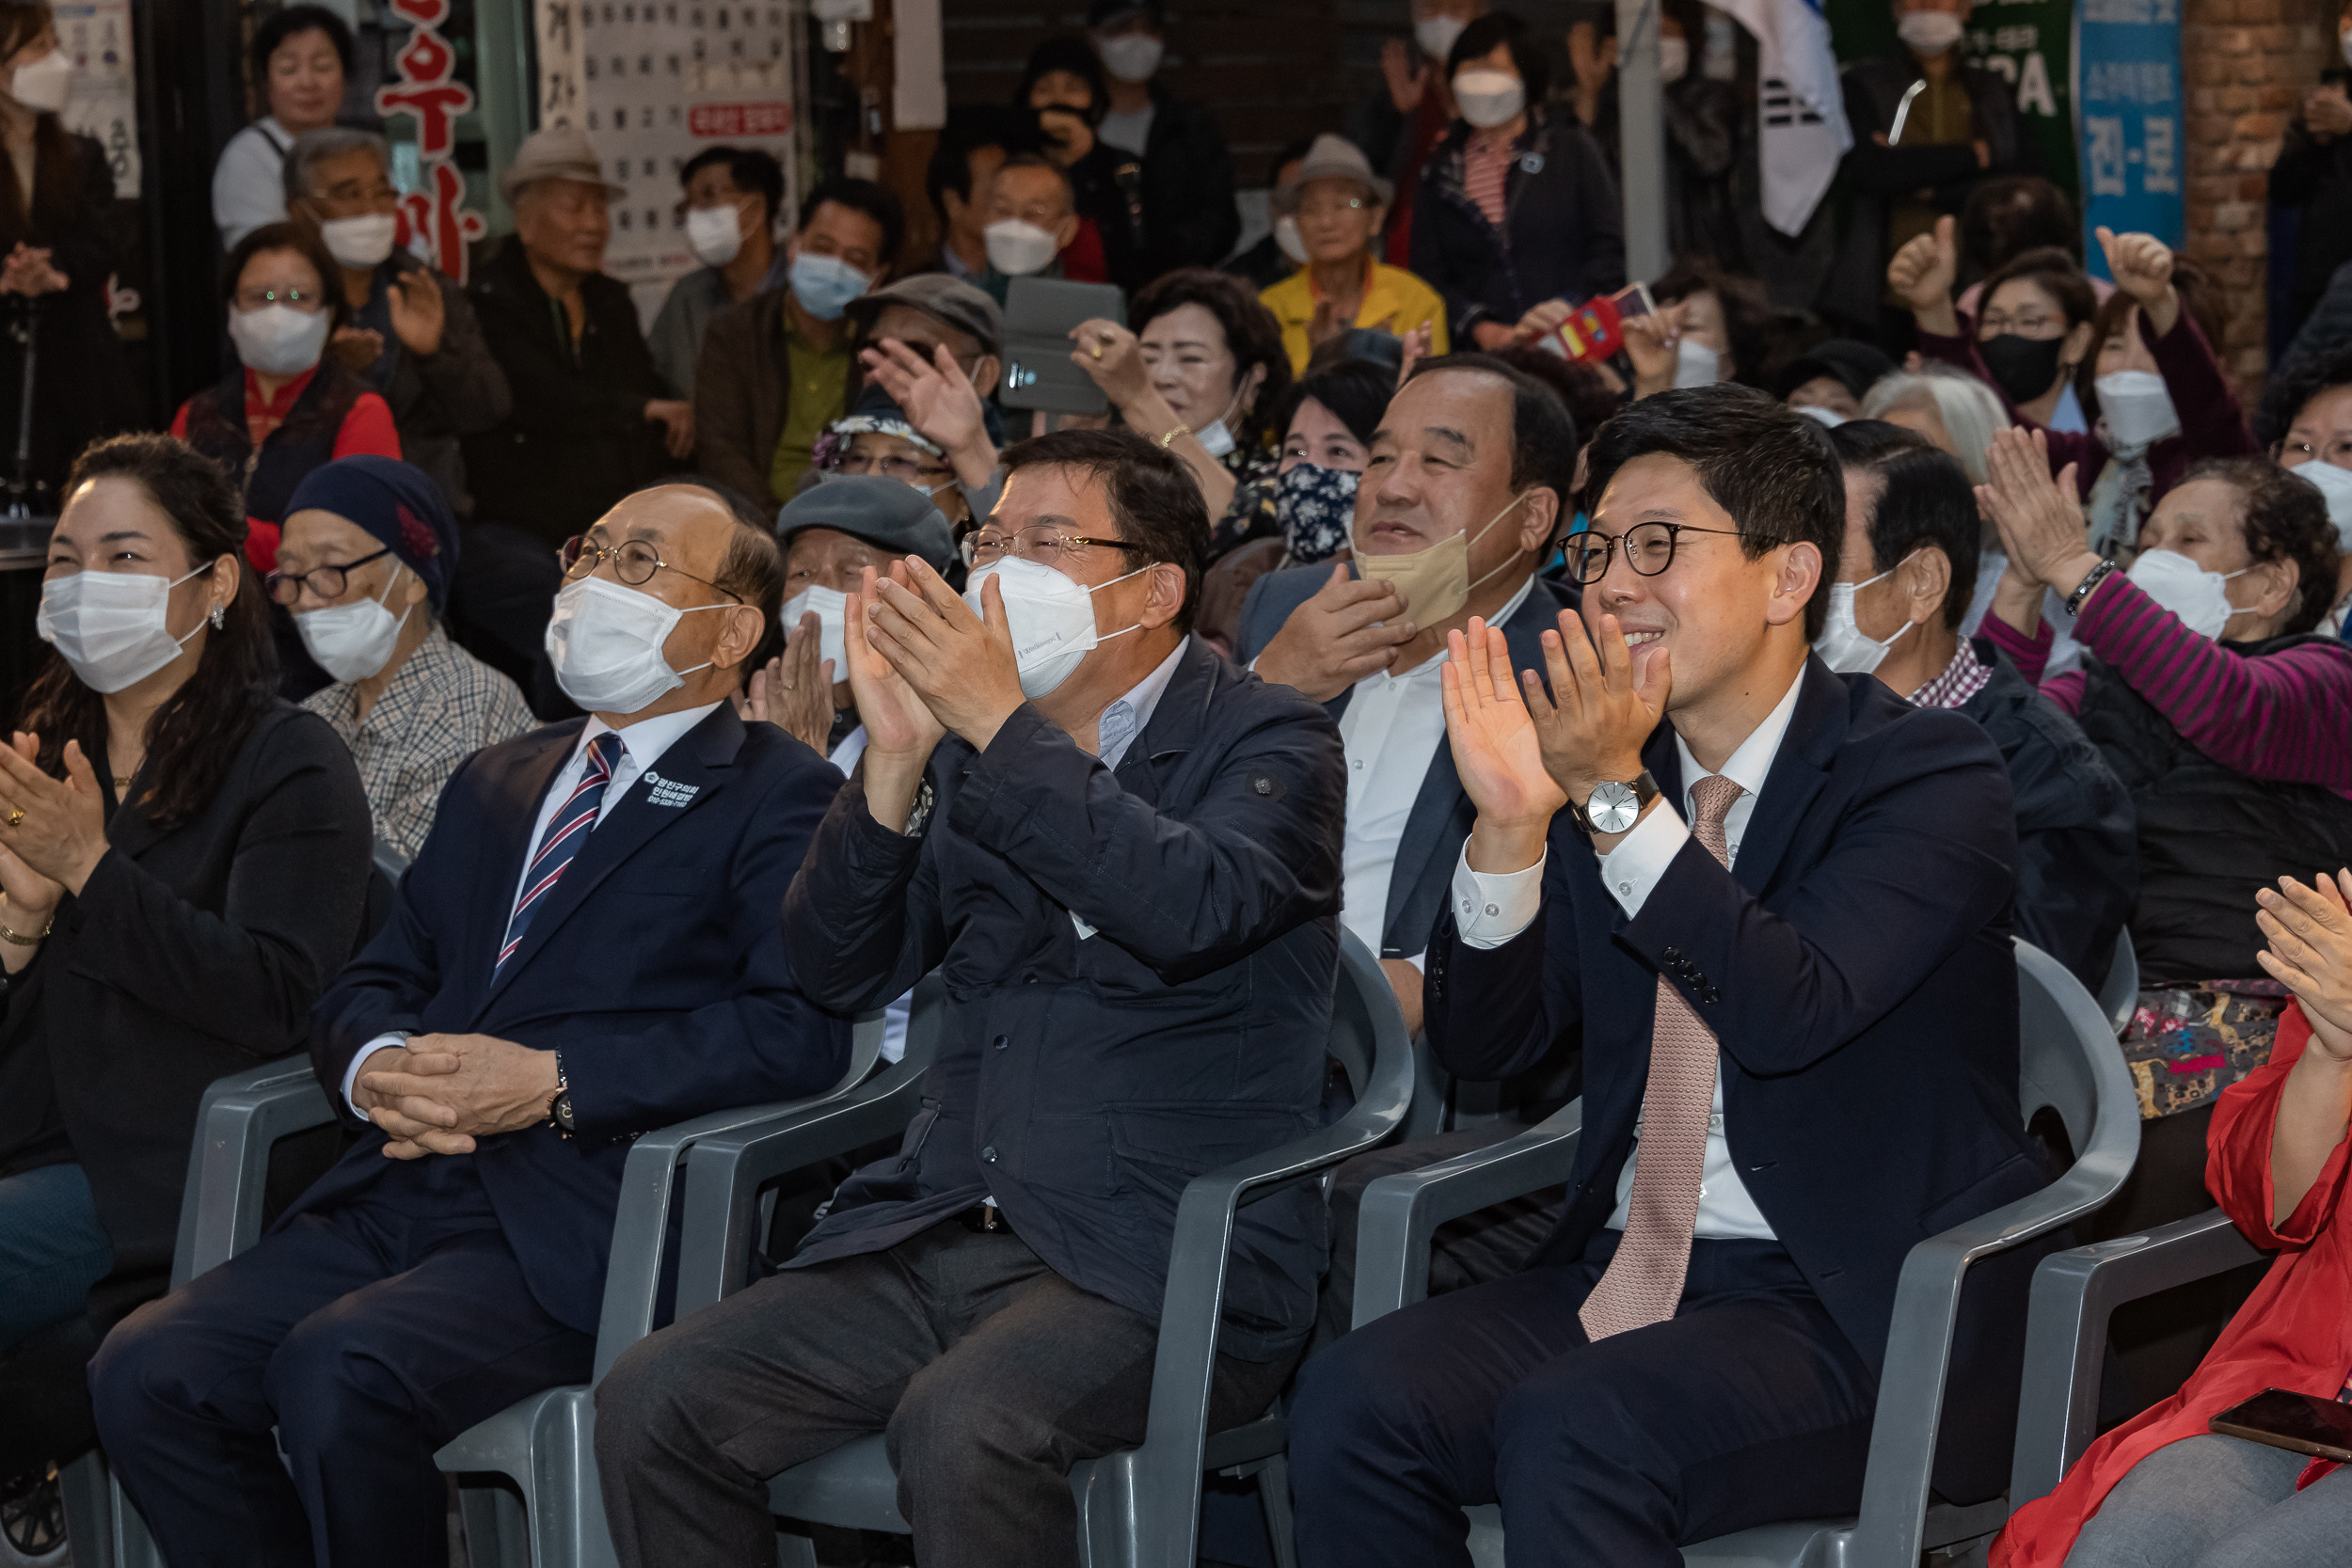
2127	63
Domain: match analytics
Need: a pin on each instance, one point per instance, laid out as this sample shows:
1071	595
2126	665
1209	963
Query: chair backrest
2064	1039
2119	993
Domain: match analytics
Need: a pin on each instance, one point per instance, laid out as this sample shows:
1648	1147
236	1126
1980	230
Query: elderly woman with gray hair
411	335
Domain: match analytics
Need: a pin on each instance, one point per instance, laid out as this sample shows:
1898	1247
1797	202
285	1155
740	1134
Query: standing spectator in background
1201	372
1032	222
1339	204
1400	123
733	195
283	409
592	421
1915	156
60	190
1064	95
775	370
411	335
302	55
1171	173
2314	174
1702	119
188	867
1515	208
1906	578
970	151
369	554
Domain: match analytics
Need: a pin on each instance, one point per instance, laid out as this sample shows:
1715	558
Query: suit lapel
690	772
1800	769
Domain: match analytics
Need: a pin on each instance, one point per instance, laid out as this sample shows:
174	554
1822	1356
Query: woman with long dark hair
56	190
183	864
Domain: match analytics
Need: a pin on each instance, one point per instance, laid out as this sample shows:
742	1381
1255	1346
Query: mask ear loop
218	614
1489	529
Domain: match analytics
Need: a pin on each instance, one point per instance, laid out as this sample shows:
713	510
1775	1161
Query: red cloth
367	430
2292	1333
1082	258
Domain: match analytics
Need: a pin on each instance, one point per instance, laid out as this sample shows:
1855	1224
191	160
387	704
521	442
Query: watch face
1613	809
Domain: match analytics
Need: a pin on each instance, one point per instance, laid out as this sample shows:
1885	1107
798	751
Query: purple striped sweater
2285	716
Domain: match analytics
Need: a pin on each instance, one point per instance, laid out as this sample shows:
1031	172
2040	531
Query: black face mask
2022	367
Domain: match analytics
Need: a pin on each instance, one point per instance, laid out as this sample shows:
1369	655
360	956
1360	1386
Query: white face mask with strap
1843	645
2198	599
1051	617
605	642
113	628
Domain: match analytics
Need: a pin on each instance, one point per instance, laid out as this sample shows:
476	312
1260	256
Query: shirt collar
644	742
282	403
1960	680
1125	718
1752	762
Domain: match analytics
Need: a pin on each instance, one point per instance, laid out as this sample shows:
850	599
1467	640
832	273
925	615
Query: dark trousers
1491	1243
990	1374
368	1335
1746	1406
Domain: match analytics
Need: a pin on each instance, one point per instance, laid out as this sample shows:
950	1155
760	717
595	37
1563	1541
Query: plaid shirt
443	706
1962	679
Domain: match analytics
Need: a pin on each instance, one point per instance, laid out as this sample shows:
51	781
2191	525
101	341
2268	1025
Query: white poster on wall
102	103
653	83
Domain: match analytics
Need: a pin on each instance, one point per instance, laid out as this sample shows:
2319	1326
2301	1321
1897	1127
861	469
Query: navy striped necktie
567	829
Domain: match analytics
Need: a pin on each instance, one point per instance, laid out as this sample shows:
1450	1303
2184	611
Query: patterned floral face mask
1316	507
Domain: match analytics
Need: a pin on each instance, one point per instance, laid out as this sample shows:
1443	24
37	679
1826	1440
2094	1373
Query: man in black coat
1171	179
1122	855
592	419
1916	155
1911	553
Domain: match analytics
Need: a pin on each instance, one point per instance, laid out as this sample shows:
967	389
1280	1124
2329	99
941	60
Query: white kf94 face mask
352	642
605	642
832	622
113	628
1051	617
1843	645
2199	598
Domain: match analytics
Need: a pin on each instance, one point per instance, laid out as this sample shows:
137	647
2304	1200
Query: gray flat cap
942	299
897	518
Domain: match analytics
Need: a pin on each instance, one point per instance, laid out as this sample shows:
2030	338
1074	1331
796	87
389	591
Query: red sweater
2292	1333
367	430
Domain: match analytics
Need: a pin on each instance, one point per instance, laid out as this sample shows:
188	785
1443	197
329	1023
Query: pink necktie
1643	1281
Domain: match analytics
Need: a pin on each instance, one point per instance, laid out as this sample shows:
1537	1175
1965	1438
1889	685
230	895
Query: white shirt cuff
1491	907
1641	857
1420	960
358	1059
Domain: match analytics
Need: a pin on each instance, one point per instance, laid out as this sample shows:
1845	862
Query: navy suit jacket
1857	968
1082	1080
1441	814
654	966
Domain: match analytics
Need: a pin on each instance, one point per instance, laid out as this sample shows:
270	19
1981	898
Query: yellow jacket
1395	301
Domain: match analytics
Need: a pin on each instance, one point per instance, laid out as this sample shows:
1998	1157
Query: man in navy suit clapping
584	950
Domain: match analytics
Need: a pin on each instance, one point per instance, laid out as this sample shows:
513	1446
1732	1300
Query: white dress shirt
1392	728
642	746
1491	908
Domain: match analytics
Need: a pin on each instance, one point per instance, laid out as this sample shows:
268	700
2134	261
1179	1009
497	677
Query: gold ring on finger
16	817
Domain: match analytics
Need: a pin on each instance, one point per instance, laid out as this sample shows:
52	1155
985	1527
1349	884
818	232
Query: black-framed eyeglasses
1649	549
1038	542
325	582
634	563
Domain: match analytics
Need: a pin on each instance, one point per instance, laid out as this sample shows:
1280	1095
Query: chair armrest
632	1281
1166	1467
238	1119
1400	1213
725	1169
2066	1327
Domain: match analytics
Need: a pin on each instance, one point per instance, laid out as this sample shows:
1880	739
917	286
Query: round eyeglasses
325	582
634	562
1649	549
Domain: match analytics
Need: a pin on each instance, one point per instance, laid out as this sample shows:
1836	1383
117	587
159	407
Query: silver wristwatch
1614	808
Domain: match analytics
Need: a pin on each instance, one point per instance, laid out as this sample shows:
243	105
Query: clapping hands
2310	932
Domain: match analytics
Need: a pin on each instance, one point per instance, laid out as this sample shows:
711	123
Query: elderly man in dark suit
1776	901
1123	854
584	950
1469	482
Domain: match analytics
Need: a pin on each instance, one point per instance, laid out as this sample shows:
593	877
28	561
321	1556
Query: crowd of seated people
1688	731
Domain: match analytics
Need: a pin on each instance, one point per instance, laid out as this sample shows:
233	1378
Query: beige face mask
1436	581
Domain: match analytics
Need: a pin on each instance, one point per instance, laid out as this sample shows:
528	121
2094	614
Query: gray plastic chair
2118	993
2066	1329
2068	1062
1140	1508
543	1443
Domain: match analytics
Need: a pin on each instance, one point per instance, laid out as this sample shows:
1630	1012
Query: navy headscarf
399	504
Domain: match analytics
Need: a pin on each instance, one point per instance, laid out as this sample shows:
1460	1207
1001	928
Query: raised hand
676	418
960	664
1649	343
794	690
57	828
938	401
1417	343
1601	711
1922	274
1112	355
2040	524
1347	630
2310	932
1407	79
355	348
1497	751
2142	265
419	313
1542	317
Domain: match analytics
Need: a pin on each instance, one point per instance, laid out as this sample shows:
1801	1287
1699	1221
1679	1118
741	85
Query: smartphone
1039	315
2304	1422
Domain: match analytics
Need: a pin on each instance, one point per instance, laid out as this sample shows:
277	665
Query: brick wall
2245	65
